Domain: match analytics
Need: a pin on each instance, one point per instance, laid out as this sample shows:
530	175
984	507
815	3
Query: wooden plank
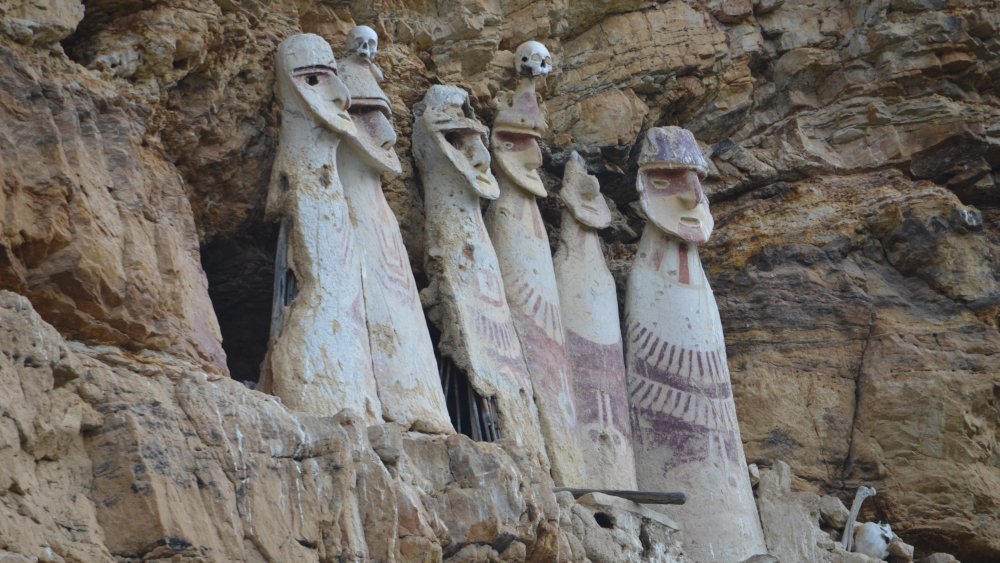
641	497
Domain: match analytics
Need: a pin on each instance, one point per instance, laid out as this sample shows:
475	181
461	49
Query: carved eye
312	80
454	139
524	59
507	145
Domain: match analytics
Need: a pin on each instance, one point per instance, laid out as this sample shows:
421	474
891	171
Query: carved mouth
485	179
516	131
690	221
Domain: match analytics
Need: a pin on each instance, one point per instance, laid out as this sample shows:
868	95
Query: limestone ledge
112	458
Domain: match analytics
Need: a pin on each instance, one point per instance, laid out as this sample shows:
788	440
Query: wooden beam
641	497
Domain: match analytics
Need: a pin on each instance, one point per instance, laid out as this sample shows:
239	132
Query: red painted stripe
683	272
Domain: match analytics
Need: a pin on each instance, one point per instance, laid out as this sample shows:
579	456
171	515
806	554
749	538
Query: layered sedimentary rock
853	156
158	460
893	346
96	227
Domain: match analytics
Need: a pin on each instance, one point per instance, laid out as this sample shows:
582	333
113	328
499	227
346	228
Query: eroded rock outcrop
157	459
96	226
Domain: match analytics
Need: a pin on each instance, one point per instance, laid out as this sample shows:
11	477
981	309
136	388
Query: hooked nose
342	100
339	95
480	157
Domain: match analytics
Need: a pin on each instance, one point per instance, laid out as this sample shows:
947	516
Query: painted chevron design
700	367
691	386
500	334
534	305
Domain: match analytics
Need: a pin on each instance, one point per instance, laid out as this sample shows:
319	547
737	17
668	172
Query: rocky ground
855	149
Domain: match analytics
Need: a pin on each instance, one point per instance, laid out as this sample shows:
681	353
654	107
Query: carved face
450	121
375	140
363	41
518	158
307	82
669	187
371	112
582	195
532	59
674	201
466	150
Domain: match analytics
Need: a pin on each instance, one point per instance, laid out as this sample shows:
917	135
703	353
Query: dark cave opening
240	272
604	520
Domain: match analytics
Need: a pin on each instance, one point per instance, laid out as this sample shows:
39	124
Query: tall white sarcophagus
319	359
686	434
403	362
589	303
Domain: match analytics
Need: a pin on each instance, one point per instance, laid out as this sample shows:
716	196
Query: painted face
371	113
466	150
581	193
669	185
674	201
449	119
307	80
518	157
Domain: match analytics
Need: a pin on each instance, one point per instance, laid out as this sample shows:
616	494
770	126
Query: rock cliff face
855	149
106	458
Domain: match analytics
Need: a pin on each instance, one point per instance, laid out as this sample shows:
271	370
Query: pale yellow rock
193	466
41	21
97	230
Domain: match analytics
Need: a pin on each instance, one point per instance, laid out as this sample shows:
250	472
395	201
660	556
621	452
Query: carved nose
480	157
692	198
342	101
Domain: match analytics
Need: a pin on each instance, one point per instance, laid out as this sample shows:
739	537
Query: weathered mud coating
466	299
589	303
686	434
319	360
522	245
405	370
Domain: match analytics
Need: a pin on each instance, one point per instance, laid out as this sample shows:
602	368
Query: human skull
363	41
533	59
